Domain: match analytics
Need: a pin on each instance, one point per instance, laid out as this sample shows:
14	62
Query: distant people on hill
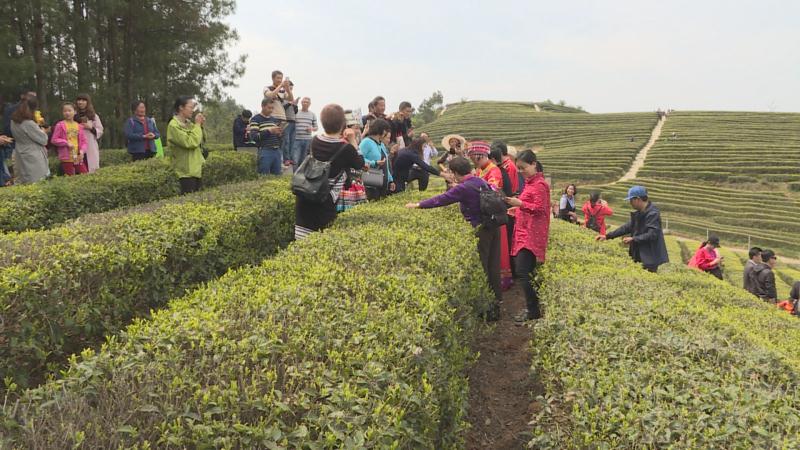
643	232
753	261
531	231
265	130
763	278
92	128
185	140
595	211
70	142
140	132
30	154
240	124
466	192
306	127
707	257
406	159
419	174
566	206
311	215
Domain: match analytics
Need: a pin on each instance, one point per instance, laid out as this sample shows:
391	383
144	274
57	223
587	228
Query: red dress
533	218
492	175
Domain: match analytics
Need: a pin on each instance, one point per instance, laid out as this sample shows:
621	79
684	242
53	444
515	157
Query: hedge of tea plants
677	359
352	338
54	201
63	289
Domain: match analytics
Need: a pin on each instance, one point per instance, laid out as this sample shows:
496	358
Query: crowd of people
28	137
344	159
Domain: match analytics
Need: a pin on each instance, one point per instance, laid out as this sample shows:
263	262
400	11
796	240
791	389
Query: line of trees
117	51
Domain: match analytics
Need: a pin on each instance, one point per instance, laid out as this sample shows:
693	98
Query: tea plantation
577	147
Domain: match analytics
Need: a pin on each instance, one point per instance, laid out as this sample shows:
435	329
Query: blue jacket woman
141	133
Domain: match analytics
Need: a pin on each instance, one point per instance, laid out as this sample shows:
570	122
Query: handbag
351	196
375	178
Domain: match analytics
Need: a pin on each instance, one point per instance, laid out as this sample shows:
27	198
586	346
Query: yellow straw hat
446	141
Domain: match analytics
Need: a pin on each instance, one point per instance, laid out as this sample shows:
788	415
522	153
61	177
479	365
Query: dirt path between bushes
638	163
501	391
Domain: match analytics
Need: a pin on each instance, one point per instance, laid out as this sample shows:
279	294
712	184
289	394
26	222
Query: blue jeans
300	150
287	144
269	161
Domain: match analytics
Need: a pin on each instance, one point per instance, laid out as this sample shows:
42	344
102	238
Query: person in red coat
597	210
707	258
531	231
489	172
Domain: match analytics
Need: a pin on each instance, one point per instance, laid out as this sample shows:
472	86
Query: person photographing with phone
185	140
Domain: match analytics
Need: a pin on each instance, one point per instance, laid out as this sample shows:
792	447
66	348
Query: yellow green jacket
184	144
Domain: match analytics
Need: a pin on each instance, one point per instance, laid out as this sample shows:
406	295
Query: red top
512	171
600	212
533	218
491	174
703	258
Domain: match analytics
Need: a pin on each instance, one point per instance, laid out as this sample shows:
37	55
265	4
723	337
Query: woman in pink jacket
70	142
531	230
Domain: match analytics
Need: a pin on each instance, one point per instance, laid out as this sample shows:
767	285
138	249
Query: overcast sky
607	56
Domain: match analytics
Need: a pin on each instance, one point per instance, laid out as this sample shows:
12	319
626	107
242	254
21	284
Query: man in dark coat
643	233
240	130
763	278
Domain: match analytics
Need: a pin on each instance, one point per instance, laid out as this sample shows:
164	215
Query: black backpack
311	180
494	211
506	182
592	224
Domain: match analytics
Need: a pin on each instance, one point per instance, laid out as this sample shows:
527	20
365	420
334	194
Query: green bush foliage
50	202
677	359
353	338
63	289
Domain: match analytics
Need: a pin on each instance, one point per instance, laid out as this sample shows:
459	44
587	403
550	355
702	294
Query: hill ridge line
638	163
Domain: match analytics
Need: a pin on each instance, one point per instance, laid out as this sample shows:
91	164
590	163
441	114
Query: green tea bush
352	338
677	359
54	201
63	289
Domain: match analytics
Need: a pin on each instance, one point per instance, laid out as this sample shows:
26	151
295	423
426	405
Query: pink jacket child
61	140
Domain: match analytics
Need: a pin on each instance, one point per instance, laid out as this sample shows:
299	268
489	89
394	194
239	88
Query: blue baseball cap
636	192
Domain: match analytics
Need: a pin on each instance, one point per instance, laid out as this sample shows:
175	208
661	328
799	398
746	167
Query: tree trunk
38	54
80	39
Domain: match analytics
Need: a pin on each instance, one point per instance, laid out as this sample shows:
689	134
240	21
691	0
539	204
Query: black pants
420	175
190	184
525	262
141	156
651	267
489	251
510	229
716	271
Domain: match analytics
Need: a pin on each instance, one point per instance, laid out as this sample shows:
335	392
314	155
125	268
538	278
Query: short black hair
460	166
500	145
379	126
247	114
276	73
527	156
766	255
754	251
404	105
265	101
181	101
496	155
135	104
594	197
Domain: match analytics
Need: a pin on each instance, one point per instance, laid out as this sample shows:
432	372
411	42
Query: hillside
577	147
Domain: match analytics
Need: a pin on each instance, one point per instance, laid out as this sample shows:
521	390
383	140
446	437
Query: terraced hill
578	147
733	147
